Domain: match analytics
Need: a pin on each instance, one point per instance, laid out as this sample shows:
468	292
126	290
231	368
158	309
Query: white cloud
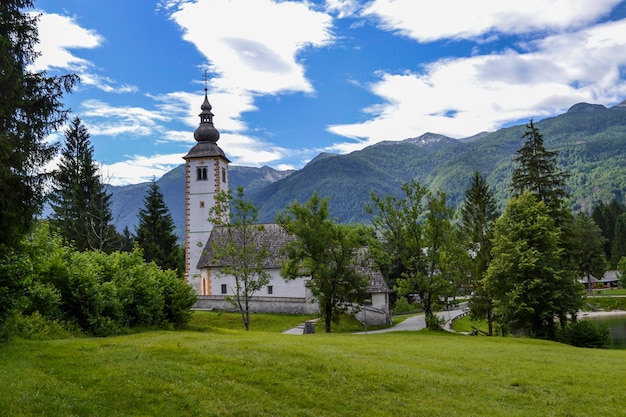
343	8
247	151
114	121
463	96
254	44
461	19
140	168
228	108
57	35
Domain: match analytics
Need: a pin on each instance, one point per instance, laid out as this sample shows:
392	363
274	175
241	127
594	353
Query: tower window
224	289
202	204
201	174
224	175
270	290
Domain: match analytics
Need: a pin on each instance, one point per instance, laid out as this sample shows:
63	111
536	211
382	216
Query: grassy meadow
215	368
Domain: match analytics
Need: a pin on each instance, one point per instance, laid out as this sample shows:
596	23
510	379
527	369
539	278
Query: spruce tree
30	108
82	207
155	232
589	253
478	213
606	217
618	249
537	172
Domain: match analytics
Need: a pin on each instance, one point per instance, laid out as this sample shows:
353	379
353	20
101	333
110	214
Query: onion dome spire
206	132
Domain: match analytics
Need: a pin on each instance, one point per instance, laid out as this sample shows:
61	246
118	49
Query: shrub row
100	294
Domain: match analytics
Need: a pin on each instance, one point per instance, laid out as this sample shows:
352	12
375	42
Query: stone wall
285	305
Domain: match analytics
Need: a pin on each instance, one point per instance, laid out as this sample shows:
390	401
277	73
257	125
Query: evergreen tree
589	254
82	207
618	248
478	213
537	172
605	216
155	232
127	240
30	108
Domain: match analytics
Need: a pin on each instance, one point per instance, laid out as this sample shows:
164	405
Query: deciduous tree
327	252
416	235
241	247
526	277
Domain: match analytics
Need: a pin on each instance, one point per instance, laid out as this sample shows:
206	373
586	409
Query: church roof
205	150
206	135
277	238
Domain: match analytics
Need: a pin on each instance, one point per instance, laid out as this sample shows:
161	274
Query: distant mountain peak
585	107
429	138
321	156
620	106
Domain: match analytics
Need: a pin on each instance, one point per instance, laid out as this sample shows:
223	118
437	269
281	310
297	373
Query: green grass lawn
466	324
610	292
212	370
605	303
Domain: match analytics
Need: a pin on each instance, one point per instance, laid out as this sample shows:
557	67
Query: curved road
412	323
418	322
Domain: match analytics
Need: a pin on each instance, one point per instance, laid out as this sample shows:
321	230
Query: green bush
36	326
43	298
179	297
585	333
403	306
13	273
101	294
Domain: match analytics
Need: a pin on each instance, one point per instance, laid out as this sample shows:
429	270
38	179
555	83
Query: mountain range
590	139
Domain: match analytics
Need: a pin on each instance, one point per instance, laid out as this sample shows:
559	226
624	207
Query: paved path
413	323
418	322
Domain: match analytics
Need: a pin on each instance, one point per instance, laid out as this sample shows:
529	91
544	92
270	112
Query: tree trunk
328	316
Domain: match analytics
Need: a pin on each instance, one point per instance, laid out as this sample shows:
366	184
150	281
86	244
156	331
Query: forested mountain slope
591	140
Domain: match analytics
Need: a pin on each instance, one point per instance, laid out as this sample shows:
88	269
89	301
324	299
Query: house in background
610	279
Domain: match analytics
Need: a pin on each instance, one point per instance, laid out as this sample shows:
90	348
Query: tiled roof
277	238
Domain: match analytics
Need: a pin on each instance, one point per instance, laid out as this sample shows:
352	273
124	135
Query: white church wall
279	287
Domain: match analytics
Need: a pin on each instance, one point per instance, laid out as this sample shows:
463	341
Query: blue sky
290	79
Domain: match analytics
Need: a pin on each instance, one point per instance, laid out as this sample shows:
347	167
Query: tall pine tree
606	217
478	213
30	108
155	232
589	253
82	207
537	171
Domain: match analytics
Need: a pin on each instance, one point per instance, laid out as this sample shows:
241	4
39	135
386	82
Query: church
206	175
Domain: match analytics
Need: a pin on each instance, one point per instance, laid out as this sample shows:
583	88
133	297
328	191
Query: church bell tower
206	174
